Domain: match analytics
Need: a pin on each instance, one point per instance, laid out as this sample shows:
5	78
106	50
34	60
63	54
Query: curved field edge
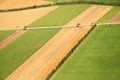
14	54
5	34
66	68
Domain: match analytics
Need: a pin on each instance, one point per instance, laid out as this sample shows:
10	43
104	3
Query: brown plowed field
38	66
7	4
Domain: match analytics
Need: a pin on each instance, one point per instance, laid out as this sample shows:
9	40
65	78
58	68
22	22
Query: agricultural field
5	34
97	58
26	45
98	61
109	15
106	1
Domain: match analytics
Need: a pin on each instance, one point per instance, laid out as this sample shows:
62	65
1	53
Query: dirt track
21	18
7	4
38	66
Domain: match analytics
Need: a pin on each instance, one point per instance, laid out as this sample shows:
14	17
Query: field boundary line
52	27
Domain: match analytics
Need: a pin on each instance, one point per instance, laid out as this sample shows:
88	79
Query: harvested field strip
22	18
109	15
14	54
5	34
96	59
48	56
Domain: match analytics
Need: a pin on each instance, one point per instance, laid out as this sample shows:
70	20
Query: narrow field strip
78	66
96	59
7	4
22	48
47	57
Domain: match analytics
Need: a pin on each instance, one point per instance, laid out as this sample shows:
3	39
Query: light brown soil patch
38	66
22	18
7	4
116	18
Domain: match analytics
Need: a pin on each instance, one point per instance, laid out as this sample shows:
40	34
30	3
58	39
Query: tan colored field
20	19
38	66
7	4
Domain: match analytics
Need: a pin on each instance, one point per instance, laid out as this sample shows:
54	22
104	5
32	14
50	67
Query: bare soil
8	4
38	66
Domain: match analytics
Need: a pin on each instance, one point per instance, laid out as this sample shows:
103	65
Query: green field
97	58
5	34
52	0
106	1
14	54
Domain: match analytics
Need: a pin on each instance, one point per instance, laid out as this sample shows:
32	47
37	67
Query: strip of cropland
97	58
14	54
5	34
48	56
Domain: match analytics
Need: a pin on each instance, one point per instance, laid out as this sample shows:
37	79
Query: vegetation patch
87	62
14	54
97	58
103	1
5	34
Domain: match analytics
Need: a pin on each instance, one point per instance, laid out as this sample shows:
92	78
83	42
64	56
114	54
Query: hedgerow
70	52
62	3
